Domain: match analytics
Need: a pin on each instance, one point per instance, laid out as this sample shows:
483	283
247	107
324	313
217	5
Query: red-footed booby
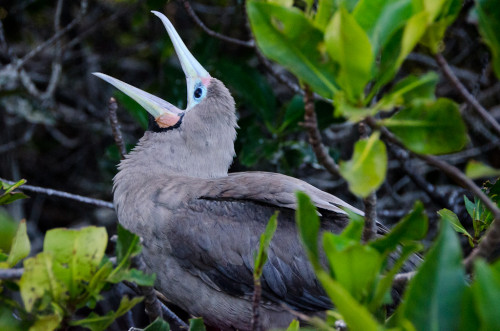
200	225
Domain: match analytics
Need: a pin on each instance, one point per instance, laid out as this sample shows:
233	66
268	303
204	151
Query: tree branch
115	127
65	195
250	43
11	274
466	94
311	124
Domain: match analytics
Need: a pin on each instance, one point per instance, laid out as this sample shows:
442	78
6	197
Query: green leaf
326	8
47	322
452	218
486	289
429	127
77	254
95	322
381	19
355	267
39	280
354	314
265	240
196	324
308	223
475	169
349	46
20	246
432	300
411	228
489	26
409	89
294	326
365	172
414	30
288	37
8	229
9	195
158	325
442	14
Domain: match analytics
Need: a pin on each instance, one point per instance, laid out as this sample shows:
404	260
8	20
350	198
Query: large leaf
432	300
381	19
411	228
308	224
486	291
77	254
349	46
489	26
365	172
39	281
429	127
20	246
355	267
288	37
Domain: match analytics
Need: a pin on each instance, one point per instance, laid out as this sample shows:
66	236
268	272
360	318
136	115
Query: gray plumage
200	225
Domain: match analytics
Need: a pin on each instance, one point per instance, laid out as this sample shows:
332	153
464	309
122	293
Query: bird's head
201	88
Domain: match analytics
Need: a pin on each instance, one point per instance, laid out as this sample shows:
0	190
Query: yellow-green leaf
365	172
475	169
20	246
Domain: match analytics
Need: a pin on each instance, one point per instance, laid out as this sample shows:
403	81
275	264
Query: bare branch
16	143
11	274
151	302
65	195
486	116
257	292
401	280
115	127
492	237
20	63
249	43
311	124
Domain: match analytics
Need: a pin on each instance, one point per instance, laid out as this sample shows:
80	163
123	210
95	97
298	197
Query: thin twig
257	292
61	194
11	274
20	63
491	239
16	143
167	314
115	127
466	94
311	124
246	43
151	302
400	280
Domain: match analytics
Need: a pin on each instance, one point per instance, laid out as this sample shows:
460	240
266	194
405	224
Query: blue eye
199	93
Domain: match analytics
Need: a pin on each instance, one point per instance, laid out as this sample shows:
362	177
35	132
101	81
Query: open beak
166	114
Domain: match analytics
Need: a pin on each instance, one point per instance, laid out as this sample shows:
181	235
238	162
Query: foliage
360	275
69	274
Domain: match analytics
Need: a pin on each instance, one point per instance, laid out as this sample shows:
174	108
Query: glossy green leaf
489	26
476	169
349	46
365	172
432	299
95	322
196	324
10	195
429	127
39	280
265	241
294	326
486	289
77	254
381	19
20	246
288	37
354	314
413	31
409	89
158	325
411	228
355	267
308	224
452	218
469	317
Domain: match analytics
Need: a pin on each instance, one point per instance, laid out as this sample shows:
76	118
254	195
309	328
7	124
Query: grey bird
200	225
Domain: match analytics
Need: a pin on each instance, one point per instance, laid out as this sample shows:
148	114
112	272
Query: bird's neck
190	150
